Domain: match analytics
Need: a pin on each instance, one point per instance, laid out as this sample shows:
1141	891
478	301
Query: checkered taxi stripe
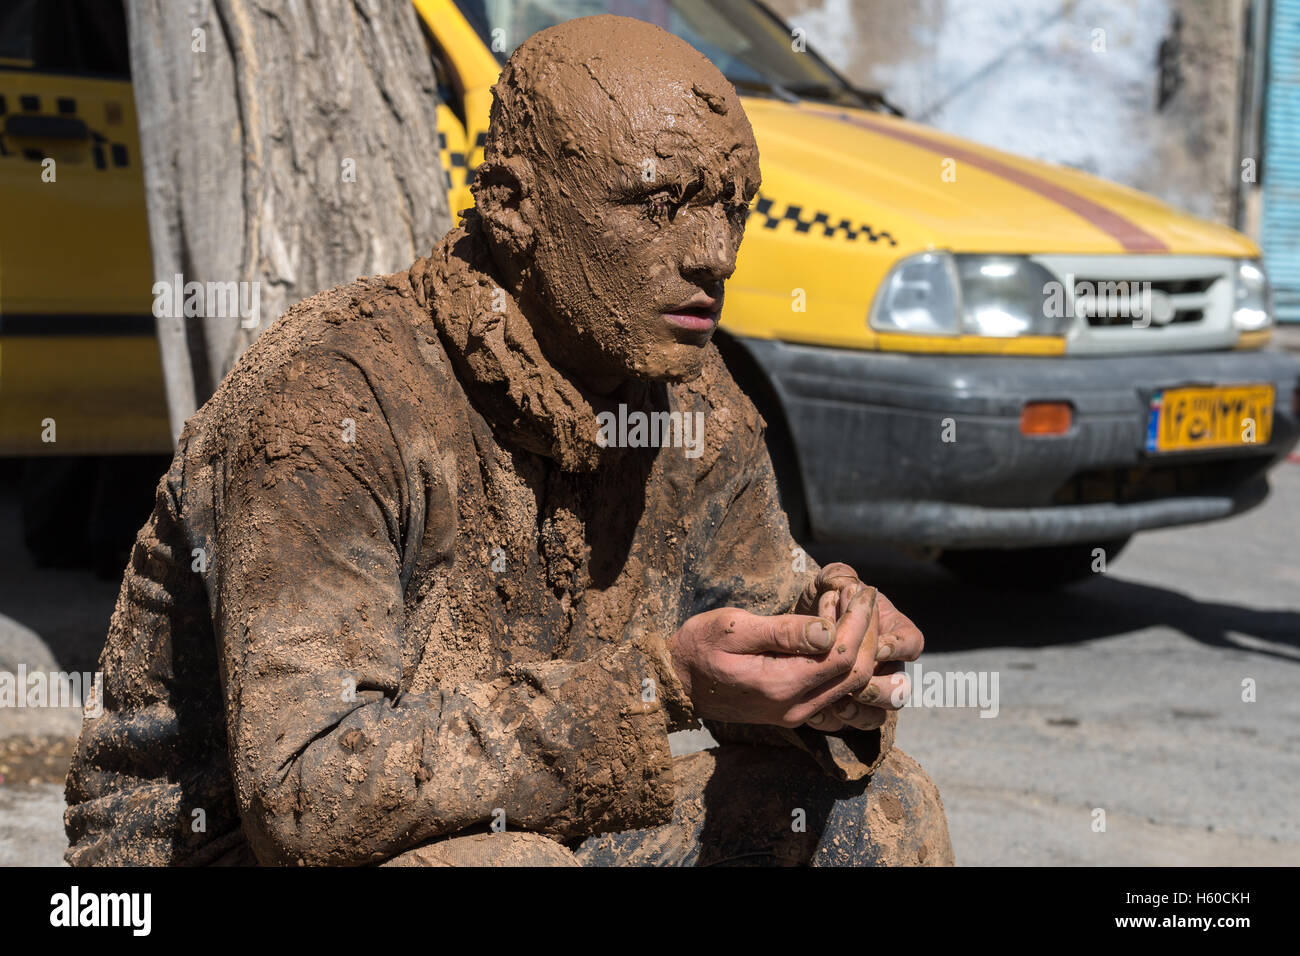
479	142
101	147
455	163
456	168
766	209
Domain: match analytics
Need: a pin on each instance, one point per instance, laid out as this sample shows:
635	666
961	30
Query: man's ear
503	195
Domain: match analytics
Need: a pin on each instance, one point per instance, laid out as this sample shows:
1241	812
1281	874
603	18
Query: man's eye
738	211
660	208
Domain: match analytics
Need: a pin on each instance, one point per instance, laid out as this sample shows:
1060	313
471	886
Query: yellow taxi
1007	363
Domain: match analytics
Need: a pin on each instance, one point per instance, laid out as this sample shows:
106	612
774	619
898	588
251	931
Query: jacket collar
529	402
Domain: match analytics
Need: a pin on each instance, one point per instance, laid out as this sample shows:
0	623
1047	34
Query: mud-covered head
617	174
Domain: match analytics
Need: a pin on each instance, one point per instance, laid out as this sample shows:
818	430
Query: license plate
1223	416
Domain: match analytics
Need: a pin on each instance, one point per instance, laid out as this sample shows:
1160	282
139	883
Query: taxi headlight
918	295
1252	308
999	296
1010	295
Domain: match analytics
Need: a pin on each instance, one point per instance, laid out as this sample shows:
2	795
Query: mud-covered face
635	200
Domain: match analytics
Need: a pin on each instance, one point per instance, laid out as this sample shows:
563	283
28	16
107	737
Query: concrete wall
1143	92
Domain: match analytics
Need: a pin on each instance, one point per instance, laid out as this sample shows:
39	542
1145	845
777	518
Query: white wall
1071	82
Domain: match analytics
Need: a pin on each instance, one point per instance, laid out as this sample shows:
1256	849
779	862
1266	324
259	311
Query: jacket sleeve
752	562
332	761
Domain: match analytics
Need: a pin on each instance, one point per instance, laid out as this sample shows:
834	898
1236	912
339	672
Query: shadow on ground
69	608
957	616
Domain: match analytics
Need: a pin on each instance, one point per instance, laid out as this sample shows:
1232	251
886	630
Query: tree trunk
291	146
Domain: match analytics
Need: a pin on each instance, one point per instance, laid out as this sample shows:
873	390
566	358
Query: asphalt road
1123	695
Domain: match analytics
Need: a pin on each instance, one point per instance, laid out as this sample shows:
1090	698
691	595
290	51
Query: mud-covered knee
905	815
488	849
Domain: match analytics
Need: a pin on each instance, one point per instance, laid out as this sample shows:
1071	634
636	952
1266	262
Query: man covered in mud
406	596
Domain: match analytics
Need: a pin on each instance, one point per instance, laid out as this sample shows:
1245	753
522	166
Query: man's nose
712	254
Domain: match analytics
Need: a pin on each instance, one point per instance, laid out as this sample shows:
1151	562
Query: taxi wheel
755	383
56	510
84	512
1032	569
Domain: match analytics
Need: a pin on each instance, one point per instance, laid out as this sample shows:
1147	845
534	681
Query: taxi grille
1107	302
1145	304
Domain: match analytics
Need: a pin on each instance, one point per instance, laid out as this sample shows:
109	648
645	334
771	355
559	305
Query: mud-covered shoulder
369	324
339	389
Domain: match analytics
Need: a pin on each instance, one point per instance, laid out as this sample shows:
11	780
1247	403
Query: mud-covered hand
782	670
829	594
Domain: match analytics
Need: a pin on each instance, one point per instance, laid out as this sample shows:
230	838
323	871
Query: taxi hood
932	190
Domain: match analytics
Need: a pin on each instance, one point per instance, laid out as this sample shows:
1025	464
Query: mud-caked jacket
403	579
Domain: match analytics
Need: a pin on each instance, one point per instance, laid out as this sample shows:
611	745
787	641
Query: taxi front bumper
926	450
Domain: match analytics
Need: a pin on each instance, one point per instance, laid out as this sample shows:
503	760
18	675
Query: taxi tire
1030	569
84	511
56	507
757	386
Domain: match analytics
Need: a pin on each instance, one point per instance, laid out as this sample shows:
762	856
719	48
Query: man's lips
699	313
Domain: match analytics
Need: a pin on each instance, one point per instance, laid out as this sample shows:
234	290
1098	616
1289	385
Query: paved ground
1287	337
1125	696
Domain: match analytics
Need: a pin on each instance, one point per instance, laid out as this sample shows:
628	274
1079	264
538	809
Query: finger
836	576
779	634
824	721
852	627
843	681
859	620
845	669
858	716
828	605
848	632
890	690
847	713
796	679
833	577
900	639
845	598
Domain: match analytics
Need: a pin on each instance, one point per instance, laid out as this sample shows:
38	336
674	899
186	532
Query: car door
77	341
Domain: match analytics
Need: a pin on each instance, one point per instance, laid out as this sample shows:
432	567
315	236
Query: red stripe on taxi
1124	231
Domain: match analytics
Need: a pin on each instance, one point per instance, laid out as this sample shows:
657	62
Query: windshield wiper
877	99
826	91
765	86
792	92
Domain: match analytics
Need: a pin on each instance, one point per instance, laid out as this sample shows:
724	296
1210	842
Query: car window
16	32
65	36
747	45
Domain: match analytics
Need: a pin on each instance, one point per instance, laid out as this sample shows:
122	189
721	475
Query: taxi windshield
752	48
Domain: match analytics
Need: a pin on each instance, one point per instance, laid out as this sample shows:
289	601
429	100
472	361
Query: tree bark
291	145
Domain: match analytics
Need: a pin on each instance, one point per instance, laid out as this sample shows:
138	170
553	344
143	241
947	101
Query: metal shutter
1281	173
